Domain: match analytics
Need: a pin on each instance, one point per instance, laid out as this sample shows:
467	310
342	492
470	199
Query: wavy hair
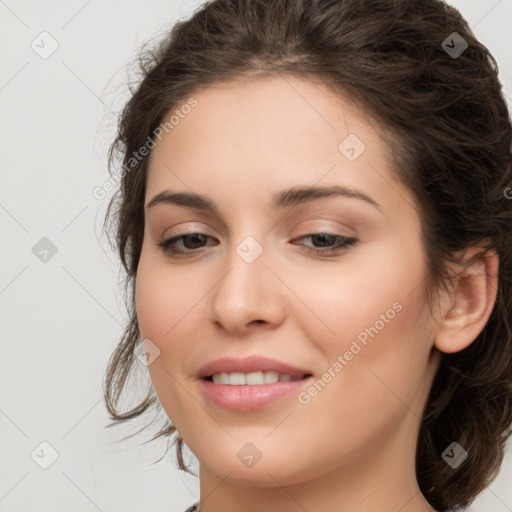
449	133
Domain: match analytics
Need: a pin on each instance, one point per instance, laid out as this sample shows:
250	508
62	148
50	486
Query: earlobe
470	304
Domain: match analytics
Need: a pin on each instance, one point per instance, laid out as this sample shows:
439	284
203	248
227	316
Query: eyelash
173	252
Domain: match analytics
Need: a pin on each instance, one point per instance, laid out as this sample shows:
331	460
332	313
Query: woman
315	221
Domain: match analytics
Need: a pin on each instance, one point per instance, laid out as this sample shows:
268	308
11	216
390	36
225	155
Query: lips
250	364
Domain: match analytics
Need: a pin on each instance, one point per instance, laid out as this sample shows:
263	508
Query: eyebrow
290	197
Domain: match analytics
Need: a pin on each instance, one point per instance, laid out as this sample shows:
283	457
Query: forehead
278	108
247	136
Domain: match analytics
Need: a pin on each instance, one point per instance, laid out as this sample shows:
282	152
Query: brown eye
325	239
190	241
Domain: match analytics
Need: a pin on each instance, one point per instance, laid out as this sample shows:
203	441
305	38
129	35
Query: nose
250	294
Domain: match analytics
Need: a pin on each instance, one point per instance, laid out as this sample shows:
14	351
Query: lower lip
250	398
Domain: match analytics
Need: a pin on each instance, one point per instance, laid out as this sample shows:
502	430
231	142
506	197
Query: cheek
377	289
375	318
169	308
171	311
166	301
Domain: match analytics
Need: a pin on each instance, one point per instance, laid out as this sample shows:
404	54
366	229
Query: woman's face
355	317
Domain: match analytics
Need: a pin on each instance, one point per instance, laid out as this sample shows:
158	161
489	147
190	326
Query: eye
195	240
324	239
170	248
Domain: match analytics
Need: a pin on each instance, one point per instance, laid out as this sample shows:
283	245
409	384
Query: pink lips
250	397
249	364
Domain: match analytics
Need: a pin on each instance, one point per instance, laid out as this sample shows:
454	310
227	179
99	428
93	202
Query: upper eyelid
305	210
304	232
315	229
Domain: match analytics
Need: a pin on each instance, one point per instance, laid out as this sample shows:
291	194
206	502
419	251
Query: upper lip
249	364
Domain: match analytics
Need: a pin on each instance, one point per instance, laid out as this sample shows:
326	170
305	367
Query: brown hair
450	136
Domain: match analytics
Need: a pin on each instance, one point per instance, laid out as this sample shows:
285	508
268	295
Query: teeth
254	378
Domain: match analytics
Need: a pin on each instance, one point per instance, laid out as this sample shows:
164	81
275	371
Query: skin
352	447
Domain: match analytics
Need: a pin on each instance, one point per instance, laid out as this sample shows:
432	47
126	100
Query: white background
60	320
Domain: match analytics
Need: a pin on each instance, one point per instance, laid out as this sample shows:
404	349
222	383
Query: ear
467	308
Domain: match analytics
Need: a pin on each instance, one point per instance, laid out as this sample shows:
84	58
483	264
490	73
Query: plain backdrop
62	309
